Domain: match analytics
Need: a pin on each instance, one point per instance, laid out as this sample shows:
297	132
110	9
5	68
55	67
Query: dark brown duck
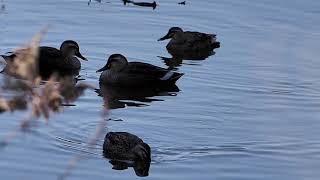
122	147
125	146
143	4
119	72
183	43
51	60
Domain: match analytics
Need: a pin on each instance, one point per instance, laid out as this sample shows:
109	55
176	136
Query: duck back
188	42
50	57
51	60
125	146
140	75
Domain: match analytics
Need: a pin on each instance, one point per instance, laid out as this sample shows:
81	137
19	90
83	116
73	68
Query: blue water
251	111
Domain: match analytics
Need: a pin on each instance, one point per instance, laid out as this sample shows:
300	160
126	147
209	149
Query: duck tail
171	76
214	42
215	45
176	76
213	36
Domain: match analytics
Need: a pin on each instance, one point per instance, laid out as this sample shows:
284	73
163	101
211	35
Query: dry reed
40	100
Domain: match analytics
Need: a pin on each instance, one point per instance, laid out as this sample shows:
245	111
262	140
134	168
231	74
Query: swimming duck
127	150
143	4
54	60
118	71
185	42
125	146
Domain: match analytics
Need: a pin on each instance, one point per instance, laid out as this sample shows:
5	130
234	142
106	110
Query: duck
125	146
119	72
127	150
183	43
52	60
143	4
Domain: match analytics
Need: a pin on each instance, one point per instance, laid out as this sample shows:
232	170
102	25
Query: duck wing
118	144
149	72
198	36
49	57
201	40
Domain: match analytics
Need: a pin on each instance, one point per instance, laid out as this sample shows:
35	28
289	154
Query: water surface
251	111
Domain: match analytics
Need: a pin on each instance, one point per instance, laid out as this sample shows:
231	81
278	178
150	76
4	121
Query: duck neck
72	61
178	38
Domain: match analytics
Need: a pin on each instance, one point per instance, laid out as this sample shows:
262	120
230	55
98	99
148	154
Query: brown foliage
42	100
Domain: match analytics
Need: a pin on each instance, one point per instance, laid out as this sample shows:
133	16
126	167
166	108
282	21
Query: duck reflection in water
121	97
143	4
127	150
3	7
177	60
182	3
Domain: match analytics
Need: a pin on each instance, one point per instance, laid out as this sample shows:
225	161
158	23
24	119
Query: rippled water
251	111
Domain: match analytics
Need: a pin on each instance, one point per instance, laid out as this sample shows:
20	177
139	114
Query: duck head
71	48
172	31
116	62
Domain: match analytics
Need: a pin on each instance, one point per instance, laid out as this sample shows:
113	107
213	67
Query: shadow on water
98	1
192	55
182	3
121	97
177	59
140	167
143	4
172	62
126	150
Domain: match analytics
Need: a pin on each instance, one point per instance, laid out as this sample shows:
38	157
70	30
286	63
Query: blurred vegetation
39	98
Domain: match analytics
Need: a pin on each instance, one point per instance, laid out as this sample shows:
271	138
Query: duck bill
164	37
102	69
79	55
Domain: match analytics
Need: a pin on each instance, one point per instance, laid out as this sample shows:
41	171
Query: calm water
251	111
